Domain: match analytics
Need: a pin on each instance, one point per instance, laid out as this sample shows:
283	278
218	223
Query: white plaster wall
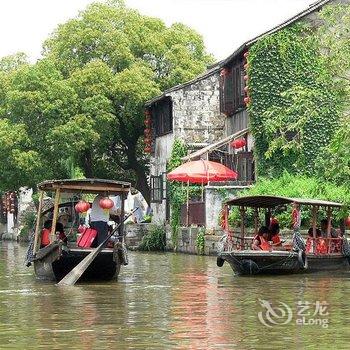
163	147
213	195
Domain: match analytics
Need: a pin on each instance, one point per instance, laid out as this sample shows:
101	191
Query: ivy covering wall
295	107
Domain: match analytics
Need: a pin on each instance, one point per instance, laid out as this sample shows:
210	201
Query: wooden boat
55	260
292	258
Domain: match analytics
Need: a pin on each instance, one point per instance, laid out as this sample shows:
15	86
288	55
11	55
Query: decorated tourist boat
329	252
57	258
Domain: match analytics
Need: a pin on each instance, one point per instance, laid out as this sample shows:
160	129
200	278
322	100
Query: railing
315	246
324	245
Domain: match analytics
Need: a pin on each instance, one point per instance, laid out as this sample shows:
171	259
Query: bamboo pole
329	226
37	234
55	215
314	219
256	220
122	215
242	210
188	208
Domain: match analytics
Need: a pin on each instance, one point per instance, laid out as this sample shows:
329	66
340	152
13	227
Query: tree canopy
83	101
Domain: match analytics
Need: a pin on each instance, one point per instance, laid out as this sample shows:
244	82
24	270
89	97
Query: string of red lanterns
247	99
148	139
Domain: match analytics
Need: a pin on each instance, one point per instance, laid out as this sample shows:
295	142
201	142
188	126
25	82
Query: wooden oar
73	276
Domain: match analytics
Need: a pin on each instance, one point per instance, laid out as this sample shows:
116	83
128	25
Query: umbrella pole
202	192
188	208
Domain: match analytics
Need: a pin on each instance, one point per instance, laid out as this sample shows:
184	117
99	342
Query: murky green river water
172	301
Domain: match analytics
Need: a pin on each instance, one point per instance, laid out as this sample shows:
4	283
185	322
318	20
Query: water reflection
164	301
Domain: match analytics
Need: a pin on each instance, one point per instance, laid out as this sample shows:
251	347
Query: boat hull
57	263
252	262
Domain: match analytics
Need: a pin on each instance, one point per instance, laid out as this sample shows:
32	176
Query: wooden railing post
55	215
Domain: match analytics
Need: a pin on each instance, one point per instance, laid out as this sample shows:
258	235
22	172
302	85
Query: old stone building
208	114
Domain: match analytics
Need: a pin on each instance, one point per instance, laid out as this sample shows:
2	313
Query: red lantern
246	89
246	77
148	122
148	141
347	221
239	143
82	207
106	203
148	149
246	54
247	100
147	112
147	132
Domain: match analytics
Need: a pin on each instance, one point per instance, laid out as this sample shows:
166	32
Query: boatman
99	219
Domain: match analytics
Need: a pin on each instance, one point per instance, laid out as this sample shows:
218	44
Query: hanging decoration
148	139
106	204
82	206
238	143
247	99
347	221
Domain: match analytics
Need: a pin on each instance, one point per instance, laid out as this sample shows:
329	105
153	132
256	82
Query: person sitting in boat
99	220
260	241
45	234
60	233
310	246
274	231
324	225
321	244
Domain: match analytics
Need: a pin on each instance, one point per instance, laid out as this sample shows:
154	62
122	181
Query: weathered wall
158	162
196	119
186	238
196	111
215	197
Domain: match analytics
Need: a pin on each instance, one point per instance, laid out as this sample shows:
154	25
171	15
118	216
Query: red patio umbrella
202	171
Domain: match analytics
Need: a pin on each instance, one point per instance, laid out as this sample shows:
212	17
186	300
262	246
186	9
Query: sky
224	24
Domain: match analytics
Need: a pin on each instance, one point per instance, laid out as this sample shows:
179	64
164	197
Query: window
157	188
232	88
162	116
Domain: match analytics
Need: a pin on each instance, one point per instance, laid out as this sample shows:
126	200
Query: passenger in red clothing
260	241
275	237
45	234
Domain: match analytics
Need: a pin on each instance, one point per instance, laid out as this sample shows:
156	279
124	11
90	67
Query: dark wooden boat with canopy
55	260
290	258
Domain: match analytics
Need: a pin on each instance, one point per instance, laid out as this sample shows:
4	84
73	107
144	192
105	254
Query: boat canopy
273	201
86	186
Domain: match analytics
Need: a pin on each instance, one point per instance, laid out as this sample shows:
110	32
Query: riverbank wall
183	241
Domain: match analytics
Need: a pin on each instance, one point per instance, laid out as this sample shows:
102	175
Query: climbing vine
155	240
294	107
200	241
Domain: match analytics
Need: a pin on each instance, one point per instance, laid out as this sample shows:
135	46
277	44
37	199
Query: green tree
18	164
84	100
116	59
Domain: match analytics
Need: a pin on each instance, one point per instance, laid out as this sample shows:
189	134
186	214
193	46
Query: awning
274	201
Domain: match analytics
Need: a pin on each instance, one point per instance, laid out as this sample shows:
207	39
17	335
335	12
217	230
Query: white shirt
97	213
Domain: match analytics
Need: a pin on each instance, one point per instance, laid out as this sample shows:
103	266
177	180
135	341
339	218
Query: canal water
172	301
